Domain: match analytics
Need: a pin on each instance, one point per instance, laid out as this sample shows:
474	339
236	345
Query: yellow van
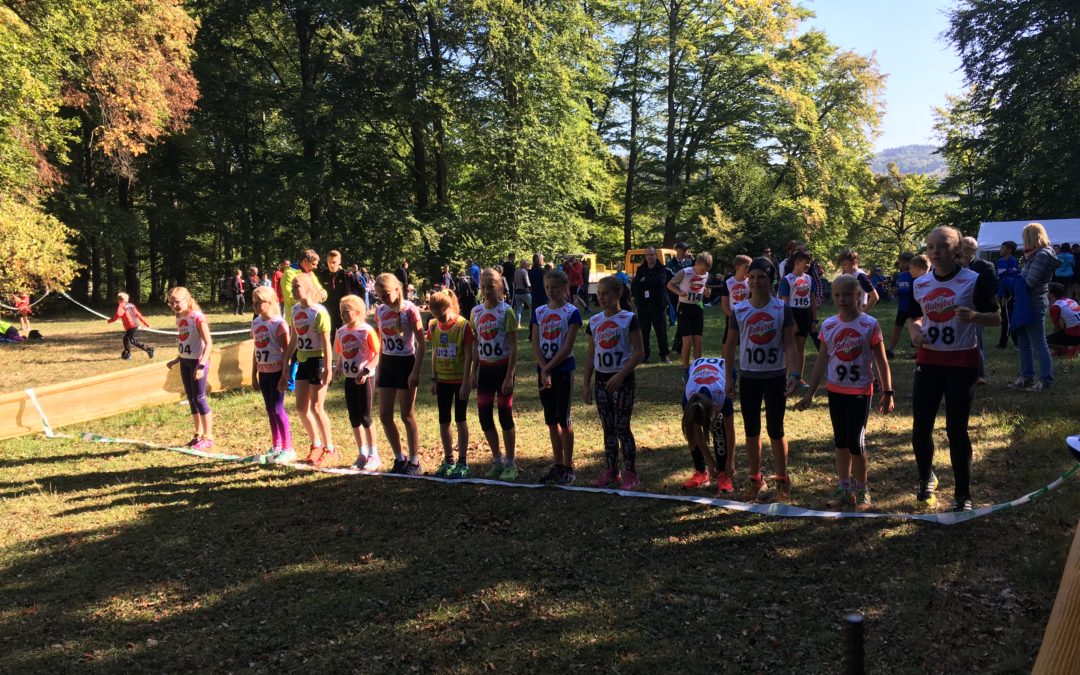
635	257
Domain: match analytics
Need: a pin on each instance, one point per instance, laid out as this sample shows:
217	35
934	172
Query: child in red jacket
130	315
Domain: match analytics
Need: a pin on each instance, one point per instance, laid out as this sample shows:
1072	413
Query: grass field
115	558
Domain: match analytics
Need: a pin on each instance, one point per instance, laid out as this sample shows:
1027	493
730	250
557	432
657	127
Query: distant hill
910	159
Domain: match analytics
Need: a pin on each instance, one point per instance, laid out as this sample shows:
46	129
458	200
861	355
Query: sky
907	37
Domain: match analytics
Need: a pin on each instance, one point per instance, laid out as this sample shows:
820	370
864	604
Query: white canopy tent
991	235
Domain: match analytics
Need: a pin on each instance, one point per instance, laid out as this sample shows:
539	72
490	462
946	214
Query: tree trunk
132	285
96	280
631	166
442	190
308	124
671	170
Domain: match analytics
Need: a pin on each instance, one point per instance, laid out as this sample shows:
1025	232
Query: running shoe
125	356
411	469
1038	386
495	472
699	479
150	352
862	499
753	490
963	505
444	469
203	444
373	463
629	480
841	499
315	454
608	479
665	359
1021	383
399	466
783	485
927	489
552	475
194	440
460	470
328	457
723	483
509	474
566	477
361	460
270	456
286	456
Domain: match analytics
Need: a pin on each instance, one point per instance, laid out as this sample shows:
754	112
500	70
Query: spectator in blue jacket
1041	262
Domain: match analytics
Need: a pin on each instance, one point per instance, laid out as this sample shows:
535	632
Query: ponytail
697	413
612	283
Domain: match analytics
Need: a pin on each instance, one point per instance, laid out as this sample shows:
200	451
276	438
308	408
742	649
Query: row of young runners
481	353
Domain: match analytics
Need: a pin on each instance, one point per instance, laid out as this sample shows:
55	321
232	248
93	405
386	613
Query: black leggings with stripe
615	409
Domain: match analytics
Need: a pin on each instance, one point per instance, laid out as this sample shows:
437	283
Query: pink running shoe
203	444
193	442
629	480
608	479
723	483
327	456
699	479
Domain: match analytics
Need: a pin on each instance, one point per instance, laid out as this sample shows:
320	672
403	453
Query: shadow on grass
262	570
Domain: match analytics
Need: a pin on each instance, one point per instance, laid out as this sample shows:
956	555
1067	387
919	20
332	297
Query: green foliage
1012	142
34	251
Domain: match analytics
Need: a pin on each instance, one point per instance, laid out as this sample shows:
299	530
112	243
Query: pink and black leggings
280	431
489	381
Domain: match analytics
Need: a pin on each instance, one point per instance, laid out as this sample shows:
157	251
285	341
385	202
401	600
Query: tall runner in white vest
949	302
765	331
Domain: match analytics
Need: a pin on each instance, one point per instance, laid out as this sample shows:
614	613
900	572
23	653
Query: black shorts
358	399
394	371
311	370
556	400
691	319
849	413
803	321
752	392
446	393
1062	339
902	315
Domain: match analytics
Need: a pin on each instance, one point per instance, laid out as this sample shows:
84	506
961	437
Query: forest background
154	143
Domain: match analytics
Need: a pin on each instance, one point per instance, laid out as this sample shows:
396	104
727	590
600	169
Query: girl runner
271	335
615	350
22	304
708	410
949	303
692	286
765	334
130	317
452	340
798	292
400	331
193	333
495	353
357	347
852	342
309	341
553	330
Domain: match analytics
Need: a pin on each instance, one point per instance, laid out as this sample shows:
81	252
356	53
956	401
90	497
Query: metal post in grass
854	654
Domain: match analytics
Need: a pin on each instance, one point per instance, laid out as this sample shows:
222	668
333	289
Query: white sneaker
372	463
1038	386
1020	383
286	456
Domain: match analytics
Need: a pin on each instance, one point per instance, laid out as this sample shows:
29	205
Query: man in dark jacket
509	266
650	296
536	280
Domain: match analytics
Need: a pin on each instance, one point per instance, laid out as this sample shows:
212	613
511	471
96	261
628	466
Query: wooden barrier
111	394
1060	651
